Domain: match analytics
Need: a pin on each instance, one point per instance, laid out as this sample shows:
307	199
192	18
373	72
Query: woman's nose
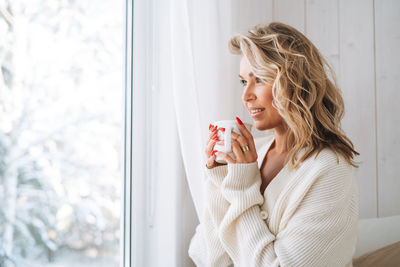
248	93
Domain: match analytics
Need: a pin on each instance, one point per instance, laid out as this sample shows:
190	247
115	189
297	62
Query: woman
308	215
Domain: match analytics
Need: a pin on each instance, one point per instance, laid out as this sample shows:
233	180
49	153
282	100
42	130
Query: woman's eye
243	82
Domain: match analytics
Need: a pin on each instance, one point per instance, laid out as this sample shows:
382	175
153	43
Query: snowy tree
60	127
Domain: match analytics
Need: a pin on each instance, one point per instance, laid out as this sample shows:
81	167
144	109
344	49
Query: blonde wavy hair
308	100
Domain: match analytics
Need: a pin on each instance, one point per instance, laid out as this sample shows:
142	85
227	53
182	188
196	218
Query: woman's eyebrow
250	74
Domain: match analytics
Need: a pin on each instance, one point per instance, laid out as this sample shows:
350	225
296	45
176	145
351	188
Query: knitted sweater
306	217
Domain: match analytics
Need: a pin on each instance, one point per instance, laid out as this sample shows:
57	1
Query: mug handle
227	139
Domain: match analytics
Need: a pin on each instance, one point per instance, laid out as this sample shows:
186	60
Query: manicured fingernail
209	127
215	138
215	128
222	129
239	121
212	153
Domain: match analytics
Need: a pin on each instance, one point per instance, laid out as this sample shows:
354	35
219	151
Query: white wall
360	40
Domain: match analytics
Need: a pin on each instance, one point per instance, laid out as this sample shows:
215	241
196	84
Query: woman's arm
205	247
320	228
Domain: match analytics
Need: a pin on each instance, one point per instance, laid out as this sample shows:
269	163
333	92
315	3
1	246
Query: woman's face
257	94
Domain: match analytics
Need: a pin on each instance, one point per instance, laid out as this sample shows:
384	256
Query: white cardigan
307	217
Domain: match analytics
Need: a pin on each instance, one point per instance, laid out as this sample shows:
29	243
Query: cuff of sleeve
242	185
217	174
242	175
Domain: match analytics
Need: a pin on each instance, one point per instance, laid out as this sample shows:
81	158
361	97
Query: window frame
138	173
125	240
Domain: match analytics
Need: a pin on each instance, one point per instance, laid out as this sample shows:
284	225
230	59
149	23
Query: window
61	132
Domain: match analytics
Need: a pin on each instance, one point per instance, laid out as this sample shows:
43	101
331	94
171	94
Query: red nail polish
215	128
239	121
222	129
212	153
209	127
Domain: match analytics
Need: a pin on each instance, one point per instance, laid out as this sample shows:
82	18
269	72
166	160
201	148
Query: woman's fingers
212	129
237	151
212	139
211	134
240	141
210	152
246	133
209	147
211	160
226	157
244	140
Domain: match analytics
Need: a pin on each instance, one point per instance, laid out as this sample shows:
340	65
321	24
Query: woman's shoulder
328	161
329	158
326	174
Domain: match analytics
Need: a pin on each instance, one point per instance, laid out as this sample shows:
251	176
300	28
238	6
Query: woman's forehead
244	75
245	69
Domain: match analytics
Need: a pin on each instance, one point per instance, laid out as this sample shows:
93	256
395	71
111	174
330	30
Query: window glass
61	132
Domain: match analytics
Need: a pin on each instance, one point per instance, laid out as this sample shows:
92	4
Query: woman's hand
237	142
210	152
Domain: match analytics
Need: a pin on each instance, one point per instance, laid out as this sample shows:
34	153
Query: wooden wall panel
290	12
254	12
322	28
358	85
387	41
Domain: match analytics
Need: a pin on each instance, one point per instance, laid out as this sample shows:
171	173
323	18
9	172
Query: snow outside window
61	132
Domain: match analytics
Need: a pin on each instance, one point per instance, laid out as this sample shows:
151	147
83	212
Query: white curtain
194	81
205	83
205	75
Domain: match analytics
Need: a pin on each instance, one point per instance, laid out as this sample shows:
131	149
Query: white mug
229	125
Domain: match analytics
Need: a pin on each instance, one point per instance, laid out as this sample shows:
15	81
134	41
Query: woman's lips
257	114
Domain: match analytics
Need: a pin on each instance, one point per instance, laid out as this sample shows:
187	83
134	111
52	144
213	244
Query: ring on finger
245	148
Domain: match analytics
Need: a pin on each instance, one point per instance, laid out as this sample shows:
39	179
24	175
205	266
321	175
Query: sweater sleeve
205	247
321	229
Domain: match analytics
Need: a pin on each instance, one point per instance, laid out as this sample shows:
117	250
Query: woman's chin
260	125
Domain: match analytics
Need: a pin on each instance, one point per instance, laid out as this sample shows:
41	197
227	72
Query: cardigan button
264	215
